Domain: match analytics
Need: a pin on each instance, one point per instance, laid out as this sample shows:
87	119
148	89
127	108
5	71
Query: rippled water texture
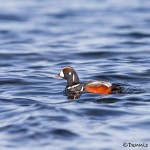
103	40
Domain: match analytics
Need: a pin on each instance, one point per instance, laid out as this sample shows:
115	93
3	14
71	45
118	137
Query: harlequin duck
74	85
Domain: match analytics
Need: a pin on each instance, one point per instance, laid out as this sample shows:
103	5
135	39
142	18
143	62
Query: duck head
70	75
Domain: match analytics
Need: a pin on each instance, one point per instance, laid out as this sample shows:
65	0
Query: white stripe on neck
73	86
73	78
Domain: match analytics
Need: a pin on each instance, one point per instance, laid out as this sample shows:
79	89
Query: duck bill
58	76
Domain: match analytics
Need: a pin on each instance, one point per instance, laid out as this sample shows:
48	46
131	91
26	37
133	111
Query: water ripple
102	40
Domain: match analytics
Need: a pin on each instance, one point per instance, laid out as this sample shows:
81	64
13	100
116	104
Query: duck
74	86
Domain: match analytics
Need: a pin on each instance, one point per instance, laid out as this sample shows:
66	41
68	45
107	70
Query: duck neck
73	80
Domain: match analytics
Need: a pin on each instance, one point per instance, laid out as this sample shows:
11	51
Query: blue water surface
103	40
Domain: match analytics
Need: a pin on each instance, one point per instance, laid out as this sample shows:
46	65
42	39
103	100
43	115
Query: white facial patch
61	73
70	73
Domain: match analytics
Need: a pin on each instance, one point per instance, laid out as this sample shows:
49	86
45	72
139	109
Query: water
103	40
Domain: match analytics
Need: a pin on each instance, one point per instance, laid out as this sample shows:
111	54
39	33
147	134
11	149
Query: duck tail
117	88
